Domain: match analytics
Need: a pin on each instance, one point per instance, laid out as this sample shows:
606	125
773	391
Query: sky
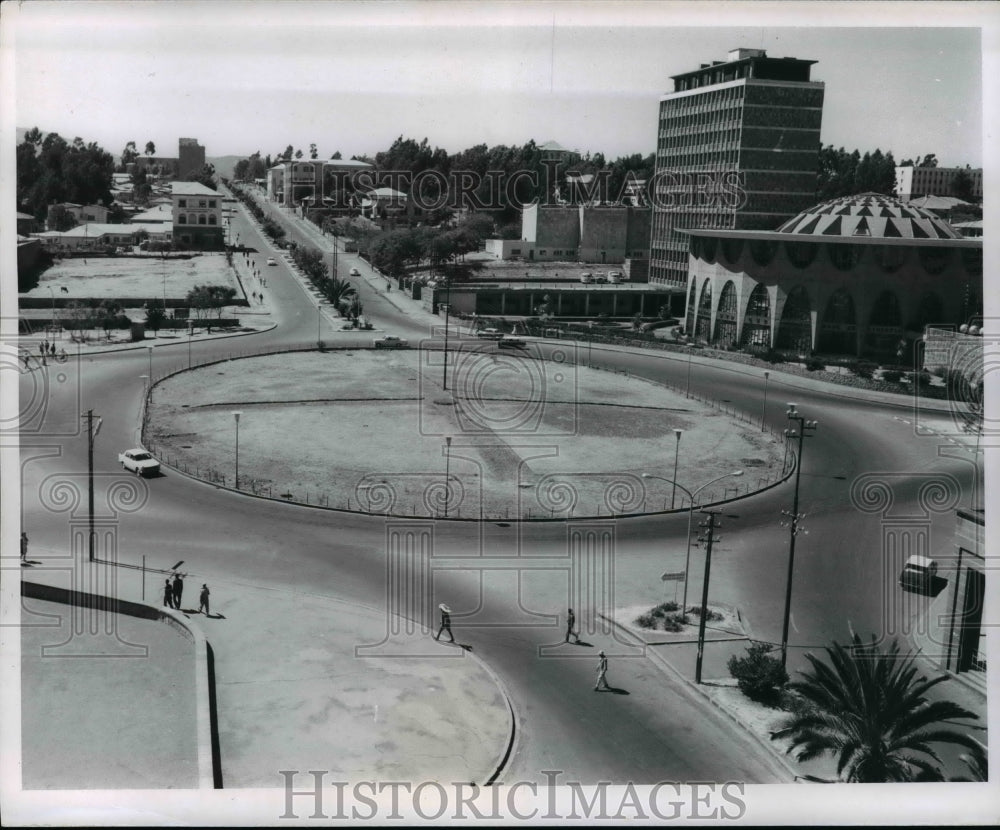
246	76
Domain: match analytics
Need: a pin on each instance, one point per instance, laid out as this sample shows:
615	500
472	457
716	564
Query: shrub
759	676
711	616
862	369
814	364
891	375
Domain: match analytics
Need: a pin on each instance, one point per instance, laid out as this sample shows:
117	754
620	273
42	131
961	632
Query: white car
139	461
390	342
489	334
270	261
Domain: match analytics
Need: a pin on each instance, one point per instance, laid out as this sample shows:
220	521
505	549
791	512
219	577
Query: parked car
489	334
508	342
918	573
615	277
586	276
600	278
139	461
355	272
390	342
270	261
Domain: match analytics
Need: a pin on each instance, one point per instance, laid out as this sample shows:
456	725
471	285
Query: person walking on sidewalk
602	673
570	624
204	600
24	546
168	593
445	622
178	591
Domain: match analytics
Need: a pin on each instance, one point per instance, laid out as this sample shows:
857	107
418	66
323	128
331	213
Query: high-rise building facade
737	148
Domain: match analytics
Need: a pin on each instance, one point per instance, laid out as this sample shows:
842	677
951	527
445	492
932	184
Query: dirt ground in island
366	430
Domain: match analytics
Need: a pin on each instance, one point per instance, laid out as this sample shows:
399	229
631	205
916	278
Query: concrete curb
208	774
513	731
780	763
137	346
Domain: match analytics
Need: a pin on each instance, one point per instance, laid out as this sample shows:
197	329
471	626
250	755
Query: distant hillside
224	165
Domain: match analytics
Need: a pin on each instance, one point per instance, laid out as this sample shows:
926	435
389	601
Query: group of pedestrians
173	591
571	631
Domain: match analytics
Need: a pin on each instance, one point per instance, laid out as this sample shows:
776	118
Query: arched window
703	325
725	316
181	219
935	260
211	219
732	249
885	325
800	254
838	330
890	257
763	251
757	321
844	257
708	248
795	328
201	218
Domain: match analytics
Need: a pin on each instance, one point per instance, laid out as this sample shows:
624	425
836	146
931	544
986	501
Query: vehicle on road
270	261
390	342
586	277
615	277
139	461
489	334
918	574
355	272
508	342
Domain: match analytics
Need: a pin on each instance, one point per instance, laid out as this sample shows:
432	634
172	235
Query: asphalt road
840	579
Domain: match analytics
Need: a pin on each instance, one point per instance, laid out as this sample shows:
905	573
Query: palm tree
869	709
337	290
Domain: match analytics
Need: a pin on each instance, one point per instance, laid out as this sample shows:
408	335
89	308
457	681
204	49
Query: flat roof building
737	147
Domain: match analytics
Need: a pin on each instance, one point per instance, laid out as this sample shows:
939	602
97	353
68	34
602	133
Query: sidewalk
294	692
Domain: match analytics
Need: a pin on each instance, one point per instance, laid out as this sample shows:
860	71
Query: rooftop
869	215
192	189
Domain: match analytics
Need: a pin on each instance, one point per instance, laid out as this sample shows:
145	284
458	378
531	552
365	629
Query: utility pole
709	540
447	313
804	425
91	434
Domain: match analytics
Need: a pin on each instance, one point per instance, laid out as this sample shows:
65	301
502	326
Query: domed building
858	275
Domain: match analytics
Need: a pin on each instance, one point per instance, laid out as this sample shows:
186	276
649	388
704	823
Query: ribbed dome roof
869	215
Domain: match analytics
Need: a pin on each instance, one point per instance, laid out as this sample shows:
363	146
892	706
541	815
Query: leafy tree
150	149
129	154
155	316
60	219
53	170
961	186
207	297
107	315
337	291
205	176
336	156
298	154
313	154
869	709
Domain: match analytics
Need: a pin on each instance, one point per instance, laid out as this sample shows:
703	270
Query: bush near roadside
759	676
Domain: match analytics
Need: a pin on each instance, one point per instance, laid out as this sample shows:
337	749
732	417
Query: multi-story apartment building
290	182
913	182
737	148
197	216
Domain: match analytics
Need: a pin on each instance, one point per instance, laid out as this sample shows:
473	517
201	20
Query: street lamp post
687	393
447	473
763	409
677	449
803	425
447	313
691	506
190	335
236	417
149	350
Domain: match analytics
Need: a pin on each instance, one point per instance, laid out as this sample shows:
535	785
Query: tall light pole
691	506
763	409
677	450
447	313
236	417
149	350
687	393
710	539
190	335
447	473
803	425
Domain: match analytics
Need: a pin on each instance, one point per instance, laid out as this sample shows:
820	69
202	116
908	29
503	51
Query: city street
841	581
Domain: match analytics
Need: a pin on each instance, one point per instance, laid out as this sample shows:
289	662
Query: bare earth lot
366	430
125	277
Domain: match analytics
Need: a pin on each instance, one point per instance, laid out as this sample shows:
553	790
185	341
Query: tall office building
737	148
